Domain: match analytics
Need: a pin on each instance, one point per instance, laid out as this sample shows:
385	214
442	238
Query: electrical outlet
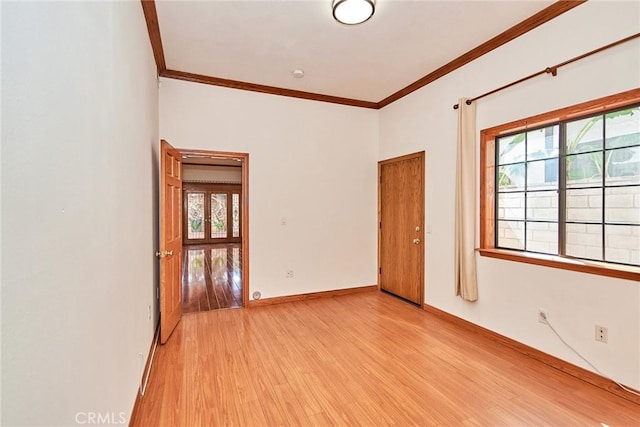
602	334
542	316
289	274
149	312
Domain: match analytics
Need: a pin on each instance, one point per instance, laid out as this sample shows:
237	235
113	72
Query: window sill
554	261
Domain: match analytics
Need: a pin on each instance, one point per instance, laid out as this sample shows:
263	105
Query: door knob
162	254
416	241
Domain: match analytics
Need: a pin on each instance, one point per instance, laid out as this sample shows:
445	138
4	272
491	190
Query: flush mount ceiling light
352	12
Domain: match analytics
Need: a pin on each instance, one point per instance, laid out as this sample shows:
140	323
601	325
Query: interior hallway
211	277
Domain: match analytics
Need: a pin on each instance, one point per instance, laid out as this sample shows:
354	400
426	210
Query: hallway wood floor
367	359
211	277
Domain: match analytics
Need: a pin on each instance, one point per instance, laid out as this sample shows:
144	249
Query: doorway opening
215	230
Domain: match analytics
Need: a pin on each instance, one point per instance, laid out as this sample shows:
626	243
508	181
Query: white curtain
465	257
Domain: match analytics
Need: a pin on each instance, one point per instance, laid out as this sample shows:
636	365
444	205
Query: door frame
420	155
244	208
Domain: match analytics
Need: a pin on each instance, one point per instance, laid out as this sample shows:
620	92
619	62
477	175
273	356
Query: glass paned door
218	215
235	212
195	214
212	213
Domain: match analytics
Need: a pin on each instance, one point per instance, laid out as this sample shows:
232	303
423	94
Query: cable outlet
542	316
289	274
602	334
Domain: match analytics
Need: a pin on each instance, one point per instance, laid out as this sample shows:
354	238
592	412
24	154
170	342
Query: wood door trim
207	186
420	155
401	158
244	208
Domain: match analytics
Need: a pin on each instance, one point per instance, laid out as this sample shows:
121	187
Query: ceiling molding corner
534	21
151	16
272	90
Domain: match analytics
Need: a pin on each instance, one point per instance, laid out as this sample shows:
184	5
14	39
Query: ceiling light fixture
352	12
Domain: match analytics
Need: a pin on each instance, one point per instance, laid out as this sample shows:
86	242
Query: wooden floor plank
366	359
211	277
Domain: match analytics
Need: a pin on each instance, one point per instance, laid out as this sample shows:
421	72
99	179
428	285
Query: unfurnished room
320	212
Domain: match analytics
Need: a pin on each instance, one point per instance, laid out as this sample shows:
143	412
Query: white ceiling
262	41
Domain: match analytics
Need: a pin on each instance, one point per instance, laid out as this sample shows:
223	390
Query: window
564	187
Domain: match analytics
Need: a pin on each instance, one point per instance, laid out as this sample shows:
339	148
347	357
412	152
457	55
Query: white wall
511	293
312	163
207	173
79	99
79	123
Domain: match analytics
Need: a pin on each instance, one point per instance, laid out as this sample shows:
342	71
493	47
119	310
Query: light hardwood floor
365	359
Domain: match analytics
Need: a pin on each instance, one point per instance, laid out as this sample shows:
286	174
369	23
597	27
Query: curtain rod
551	70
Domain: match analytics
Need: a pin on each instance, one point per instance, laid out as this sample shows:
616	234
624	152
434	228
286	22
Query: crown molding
272	90
534	21
151	16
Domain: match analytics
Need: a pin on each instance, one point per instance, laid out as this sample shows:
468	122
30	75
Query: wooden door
401	224
170	239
